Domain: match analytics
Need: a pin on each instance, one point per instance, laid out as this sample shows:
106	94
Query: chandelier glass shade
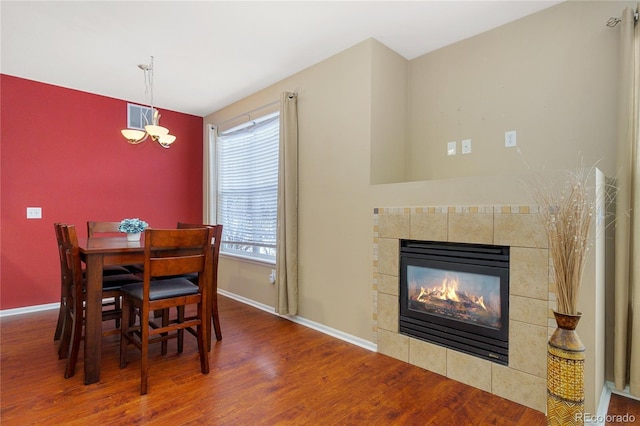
154	130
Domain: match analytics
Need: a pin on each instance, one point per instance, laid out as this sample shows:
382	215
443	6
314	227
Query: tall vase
565	373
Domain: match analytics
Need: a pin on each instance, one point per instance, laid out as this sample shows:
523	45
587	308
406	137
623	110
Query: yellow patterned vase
565	373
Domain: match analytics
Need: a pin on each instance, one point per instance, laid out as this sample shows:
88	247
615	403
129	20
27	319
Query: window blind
247	193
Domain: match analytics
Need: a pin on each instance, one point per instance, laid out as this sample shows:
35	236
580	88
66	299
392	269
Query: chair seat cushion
111	270
136	268
161	289
114	282
114	270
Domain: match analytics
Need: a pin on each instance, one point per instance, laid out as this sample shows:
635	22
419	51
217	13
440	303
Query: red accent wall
62	150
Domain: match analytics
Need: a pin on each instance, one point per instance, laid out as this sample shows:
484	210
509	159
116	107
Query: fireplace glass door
457	296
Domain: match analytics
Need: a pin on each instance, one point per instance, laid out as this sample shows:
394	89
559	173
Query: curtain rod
248	113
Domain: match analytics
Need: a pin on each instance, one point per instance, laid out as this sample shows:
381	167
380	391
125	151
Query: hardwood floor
623	411
266	371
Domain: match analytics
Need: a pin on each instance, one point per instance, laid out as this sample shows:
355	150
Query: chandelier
154	130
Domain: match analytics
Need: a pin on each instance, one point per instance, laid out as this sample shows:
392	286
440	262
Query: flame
449	290
480	302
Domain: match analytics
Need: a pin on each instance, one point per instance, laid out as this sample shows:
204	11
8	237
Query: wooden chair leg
165	322
76	337
117	305
215	319
60	324
65	339
126	322
144	357
180	332
202	340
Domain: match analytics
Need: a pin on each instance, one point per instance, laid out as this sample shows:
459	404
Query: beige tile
393	345
388	256
521	230
516	386
470	228
428	356
388	284
528	348
469	370
393	225
429	227
529	272
388	312
528	310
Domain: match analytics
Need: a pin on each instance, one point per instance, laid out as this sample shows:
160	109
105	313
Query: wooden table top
109	244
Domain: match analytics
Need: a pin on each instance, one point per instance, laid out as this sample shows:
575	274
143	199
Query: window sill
262	262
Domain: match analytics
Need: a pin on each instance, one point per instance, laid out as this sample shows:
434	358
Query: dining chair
168	253
213	294
69	251
64	286
71	266
112	280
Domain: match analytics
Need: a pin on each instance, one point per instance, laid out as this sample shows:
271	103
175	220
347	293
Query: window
247	188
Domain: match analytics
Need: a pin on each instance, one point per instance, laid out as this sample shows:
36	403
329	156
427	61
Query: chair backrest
65	273
215	248
171	252
71	264
94	228
59	240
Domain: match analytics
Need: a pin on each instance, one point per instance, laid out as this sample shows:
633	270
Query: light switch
451	148
34	212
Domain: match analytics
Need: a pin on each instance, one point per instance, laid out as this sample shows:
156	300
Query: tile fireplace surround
531	294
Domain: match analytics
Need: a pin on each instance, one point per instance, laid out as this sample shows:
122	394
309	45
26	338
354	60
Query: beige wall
550	76
334	102
388	116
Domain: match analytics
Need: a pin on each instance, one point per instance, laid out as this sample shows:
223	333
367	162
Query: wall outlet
34	212
272	277
466	146
451	148
510	139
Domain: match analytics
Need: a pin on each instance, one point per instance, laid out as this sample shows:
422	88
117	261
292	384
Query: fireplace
456	295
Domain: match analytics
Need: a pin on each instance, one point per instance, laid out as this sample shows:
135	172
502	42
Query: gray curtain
287	228
626	364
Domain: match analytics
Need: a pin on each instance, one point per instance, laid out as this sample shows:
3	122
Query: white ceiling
209	54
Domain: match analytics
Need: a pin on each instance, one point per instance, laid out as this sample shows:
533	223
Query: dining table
98	252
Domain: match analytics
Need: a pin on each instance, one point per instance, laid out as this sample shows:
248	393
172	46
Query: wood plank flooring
266	371
623	411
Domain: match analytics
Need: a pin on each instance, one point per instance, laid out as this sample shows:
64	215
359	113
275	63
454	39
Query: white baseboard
625	392
28	309
349	338
599	418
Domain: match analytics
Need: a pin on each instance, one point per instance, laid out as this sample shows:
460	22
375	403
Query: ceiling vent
138	116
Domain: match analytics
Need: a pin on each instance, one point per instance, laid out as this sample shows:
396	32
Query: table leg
93	319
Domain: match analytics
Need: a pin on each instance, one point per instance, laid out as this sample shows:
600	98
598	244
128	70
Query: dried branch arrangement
568	210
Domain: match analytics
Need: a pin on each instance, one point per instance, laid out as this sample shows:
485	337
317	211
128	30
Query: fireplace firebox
456	295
